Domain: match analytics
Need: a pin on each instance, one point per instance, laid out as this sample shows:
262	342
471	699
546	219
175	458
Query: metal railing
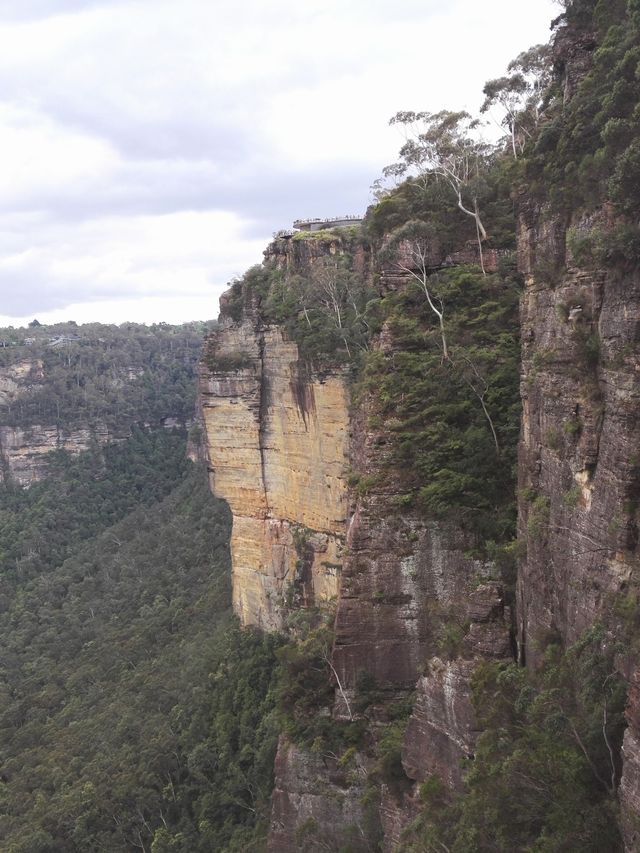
327	220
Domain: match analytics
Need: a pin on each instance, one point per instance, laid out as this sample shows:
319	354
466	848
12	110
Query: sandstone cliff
578	460
284	441
277	444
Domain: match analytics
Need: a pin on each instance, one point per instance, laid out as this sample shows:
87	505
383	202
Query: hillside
68	386
399	611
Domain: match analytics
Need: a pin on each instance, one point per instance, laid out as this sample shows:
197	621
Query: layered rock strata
24	450
277	447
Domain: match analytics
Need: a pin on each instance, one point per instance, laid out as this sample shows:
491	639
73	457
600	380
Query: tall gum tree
444	146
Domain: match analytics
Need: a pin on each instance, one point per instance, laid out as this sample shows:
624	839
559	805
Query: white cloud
150	147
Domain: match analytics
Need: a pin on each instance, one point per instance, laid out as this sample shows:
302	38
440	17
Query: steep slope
133	711
449	640
326	514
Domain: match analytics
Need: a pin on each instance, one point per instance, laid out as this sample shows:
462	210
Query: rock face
277	446
442	730
579	473
23	449
579	469
317	804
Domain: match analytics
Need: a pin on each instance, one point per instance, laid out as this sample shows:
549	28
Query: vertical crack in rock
263	408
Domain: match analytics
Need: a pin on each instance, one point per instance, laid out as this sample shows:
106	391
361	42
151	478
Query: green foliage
306	687
80	498
543	778
226	363
618	246
328	309
451	230
450	638
97	375
587	151
572	497
572	426
132	709
538	518
442	445
388	768
367	692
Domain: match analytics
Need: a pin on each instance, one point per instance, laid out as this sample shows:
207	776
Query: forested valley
134	714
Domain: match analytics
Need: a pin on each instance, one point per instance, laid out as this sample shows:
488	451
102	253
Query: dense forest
134	714
96	374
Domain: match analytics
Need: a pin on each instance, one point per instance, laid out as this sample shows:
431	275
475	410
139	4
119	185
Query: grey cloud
23	289
269	197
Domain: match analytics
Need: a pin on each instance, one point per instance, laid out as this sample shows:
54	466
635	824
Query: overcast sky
148	148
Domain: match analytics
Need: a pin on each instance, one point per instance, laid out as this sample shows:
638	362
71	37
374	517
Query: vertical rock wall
277	445
281	444
579	467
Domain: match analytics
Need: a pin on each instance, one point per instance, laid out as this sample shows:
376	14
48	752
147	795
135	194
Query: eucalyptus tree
520	95
446	146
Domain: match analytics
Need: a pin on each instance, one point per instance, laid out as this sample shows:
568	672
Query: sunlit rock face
277	442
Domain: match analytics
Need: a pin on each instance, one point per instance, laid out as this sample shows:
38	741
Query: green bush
542	778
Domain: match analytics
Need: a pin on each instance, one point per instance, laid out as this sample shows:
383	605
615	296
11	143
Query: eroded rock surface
579	470
277	446
317	804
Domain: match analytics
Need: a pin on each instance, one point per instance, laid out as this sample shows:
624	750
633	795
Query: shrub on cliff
587	152
442	446
546	767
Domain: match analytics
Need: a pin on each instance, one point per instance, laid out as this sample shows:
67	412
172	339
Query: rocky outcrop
24	450
318	803
316	519
579	469
579	474
442	730
19	378
277	447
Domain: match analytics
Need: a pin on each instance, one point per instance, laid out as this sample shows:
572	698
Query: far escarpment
70	388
